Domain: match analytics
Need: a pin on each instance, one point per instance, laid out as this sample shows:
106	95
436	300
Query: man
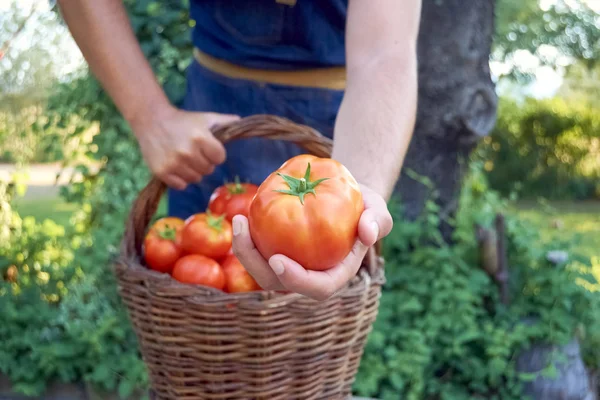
346	67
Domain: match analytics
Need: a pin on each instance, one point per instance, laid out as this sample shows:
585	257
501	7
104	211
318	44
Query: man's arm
372	133
376	119
103	33
177	146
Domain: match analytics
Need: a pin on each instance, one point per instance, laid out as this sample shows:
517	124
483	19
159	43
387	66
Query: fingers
188	174
212	150
199	151
376	221
215	119
184	172
197	162
173	181
282	273
318	285
249	256
206	151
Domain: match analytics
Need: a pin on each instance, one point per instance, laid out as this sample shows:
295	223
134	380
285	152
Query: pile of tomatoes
198	250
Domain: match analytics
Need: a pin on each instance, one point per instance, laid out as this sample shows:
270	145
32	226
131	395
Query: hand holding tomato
340	233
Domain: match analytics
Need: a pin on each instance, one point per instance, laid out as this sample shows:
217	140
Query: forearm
376	120
102	31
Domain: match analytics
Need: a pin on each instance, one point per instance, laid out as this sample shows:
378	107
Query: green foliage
59	322
442	332
569	26
36	269
579	221
30	135
547	148
85	333
581	84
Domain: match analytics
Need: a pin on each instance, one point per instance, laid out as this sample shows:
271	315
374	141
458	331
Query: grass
53	208
56	209
576	221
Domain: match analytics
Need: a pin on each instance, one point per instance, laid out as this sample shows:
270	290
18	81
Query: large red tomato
199	270
207	235
307	210
232	199
162	244
236	277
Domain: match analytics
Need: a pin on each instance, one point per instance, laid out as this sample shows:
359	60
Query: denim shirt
267	34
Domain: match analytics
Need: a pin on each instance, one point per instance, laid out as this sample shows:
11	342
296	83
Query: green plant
85	334
442	332
544	148
36	271
59	322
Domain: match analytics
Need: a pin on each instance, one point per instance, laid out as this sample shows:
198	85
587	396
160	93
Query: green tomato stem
236	187
167	233
300	186
215	223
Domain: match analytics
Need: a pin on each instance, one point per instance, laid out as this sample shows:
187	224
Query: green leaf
126	388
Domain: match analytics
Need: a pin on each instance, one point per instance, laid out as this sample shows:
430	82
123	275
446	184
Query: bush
59	322
442	332
33	134
547	148
85	334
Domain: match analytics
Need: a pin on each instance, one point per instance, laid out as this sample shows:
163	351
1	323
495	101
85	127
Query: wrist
147	113
373	178
376	185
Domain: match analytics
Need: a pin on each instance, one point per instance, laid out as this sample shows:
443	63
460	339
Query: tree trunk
457	101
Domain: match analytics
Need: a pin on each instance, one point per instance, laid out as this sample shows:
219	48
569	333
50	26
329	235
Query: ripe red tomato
236	277
307	210
199	270
207	235
162	244
232	199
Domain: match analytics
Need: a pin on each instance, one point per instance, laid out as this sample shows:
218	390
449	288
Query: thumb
376	221
215	119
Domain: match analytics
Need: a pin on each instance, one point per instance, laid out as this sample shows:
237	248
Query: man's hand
283	273
178	146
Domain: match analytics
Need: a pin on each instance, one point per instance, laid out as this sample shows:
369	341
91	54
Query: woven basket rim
165	286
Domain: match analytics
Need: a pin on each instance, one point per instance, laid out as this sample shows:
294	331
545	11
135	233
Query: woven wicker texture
201	343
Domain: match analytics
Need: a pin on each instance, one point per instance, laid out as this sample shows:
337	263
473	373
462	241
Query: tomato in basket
307	210
207	235
236	277
199	270
162	244
232	199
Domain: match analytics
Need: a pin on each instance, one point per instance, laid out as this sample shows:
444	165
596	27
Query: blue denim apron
260	34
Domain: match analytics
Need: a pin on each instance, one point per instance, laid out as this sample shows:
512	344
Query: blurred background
462	316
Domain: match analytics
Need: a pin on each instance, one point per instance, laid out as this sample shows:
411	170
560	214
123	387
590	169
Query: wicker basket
201	343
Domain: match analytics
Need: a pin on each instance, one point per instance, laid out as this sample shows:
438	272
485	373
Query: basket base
152	397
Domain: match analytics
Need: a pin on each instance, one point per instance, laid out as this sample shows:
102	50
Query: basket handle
256	126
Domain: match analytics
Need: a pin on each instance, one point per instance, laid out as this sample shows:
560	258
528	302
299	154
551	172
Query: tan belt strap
326	78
